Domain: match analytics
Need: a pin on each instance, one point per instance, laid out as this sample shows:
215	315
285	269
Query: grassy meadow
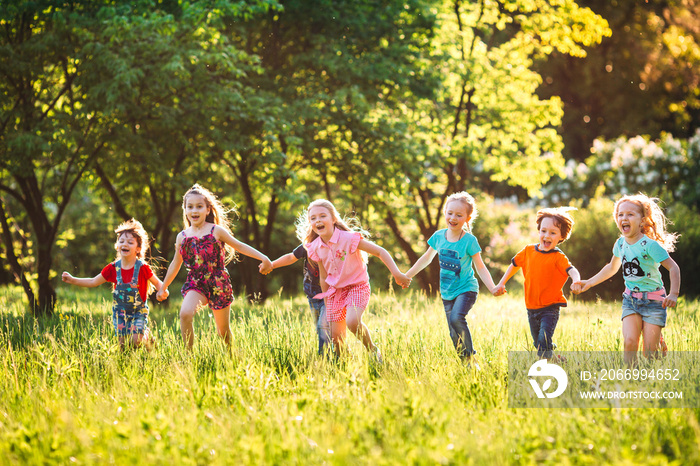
70	396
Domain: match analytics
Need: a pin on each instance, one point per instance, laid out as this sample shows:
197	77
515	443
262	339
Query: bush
686	222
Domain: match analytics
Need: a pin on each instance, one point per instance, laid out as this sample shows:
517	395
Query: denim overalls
129	312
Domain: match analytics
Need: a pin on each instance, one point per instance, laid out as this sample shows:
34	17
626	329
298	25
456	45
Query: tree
82	83
486	123
641	80
47	138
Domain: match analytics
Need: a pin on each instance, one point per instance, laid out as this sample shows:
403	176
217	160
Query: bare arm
483	272
226	237
85	282
510	271
422	262
675	275
574	274
608	271
384	255
283	261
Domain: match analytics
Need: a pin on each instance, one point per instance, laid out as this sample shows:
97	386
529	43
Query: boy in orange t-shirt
546	270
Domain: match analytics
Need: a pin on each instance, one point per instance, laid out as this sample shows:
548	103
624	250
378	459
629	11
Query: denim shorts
652	312
130	323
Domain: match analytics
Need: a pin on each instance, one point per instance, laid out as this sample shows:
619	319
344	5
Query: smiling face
321	221
550	234
456	215
128	246
196	209
629	218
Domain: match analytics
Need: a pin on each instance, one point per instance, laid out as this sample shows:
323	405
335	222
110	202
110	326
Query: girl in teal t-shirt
643	247
458	251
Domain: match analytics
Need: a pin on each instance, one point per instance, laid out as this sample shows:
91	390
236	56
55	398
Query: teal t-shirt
640	263
456	272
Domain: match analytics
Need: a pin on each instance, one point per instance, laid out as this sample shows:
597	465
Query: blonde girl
206	245
131	276
643	246
338	251
458	249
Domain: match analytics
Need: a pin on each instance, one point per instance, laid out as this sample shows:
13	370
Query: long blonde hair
468	200
653	219
306	233
217	215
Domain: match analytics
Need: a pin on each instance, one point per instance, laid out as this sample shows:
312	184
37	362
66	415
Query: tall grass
69	395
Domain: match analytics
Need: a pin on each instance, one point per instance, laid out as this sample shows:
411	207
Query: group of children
337	285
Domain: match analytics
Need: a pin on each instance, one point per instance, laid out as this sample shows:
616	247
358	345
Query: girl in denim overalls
642	248
203	246
131	276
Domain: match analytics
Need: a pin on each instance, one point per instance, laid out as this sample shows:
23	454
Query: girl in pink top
340	254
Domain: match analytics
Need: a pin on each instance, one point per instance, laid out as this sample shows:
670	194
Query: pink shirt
341	259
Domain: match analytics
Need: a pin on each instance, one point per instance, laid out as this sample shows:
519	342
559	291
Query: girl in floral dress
206	245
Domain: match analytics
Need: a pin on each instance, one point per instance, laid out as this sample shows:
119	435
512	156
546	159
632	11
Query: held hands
499	290
403	280
579	286
162	294
265	266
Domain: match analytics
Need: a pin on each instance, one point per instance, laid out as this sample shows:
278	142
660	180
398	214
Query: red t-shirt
109	273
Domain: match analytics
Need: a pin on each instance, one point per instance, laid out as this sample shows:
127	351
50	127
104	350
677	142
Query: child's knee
631	342
186	314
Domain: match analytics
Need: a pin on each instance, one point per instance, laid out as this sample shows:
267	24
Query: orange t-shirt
545	274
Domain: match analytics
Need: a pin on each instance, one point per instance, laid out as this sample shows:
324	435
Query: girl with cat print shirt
643	247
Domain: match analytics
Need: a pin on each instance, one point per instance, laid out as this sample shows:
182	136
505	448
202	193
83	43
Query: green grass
70	396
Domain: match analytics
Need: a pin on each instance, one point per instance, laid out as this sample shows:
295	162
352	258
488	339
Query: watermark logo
544	369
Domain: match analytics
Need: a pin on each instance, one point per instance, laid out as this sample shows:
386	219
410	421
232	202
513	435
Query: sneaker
663	346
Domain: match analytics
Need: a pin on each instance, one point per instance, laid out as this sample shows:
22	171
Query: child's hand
580	286
403	280
162	294
670	300
66	277
499	290
265	266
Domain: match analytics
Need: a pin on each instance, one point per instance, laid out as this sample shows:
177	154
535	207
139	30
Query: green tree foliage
47	136
82	83
641	80
486	124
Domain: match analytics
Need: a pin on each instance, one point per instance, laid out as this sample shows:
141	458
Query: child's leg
449	305
190	304
631	331
549	317
222	318
652	336
533	318
323	329
458	321
338	335
353	319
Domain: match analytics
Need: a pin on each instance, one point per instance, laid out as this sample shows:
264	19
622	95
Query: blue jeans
456	311
542	324
323	328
